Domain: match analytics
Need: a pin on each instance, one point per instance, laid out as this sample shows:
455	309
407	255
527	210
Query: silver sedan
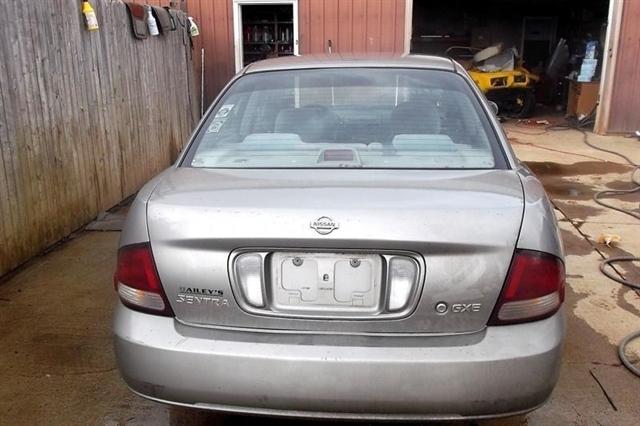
344	237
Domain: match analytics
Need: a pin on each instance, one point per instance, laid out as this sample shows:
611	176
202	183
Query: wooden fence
85	117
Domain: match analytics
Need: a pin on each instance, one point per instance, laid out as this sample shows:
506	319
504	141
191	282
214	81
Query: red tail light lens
137	281
534	289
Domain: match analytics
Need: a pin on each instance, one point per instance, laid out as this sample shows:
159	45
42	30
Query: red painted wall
351	25
354	26
215	22
624	115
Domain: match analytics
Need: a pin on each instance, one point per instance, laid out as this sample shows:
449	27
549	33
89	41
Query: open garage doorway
534	58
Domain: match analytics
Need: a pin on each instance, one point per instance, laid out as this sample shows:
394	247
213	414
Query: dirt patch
565	189
576	210
621	184
633	197
545	168
574	245
630	270
555	176
65	353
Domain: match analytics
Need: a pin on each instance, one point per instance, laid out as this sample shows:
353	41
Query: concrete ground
57	364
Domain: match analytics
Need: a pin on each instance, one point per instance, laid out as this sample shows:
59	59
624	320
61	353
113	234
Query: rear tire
514	103
524	104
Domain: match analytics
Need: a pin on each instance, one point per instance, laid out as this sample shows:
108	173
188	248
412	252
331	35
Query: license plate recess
326	283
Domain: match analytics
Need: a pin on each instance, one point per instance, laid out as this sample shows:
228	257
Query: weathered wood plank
85	118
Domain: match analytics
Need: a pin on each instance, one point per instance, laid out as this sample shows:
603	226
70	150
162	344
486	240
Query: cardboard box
583	98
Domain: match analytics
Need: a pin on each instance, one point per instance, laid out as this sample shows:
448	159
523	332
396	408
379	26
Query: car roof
345	60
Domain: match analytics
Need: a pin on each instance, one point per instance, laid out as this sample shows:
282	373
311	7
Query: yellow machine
512	89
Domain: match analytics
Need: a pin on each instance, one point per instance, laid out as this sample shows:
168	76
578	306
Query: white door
240	26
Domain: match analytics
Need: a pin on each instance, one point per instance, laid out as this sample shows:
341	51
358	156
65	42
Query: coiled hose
580	125
597	197
613	260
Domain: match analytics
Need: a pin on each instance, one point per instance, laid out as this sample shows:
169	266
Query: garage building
237	32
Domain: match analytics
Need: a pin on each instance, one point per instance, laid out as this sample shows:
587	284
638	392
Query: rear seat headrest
313	123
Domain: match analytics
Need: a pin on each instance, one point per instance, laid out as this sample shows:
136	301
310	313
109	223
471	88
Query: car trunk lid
460	228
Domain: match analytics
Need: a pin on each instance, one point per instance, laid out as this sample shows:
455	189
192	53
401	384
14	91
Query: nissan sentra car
344	237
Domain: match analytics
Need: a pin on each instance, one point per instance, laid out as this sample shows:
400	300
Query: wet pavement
57	364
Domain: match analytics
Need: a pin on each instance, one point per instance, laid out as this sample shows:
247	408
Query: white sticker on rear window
220	118
224	110
216	125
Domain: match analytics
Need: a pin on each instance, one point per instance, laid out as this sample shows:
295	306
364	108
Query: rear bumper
501	371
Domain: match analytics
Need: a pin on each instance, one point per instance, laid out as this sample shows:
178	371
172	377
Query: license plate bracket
326	283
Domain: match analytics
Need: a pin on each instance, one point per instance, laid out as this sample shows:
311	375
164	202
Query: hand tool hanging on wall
90	18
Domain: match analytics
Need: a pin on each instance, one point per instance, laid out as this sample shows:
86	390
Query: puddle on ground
576	210
633	197
565	192
558	187
546	168
574	245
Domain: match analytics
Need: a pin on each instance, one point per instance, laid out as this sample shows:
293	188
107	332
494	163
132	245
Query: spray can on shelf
89	16
151	21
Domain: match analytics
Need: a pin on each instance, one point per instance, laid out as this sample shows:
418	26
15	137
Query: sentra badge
201	296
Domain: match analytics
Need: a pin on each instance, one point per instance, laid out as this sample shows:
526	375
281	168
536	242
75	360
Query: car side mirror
494	107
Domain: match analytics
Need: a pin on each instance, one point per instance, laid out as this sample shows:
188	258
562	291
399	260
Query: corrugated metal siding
85	118
624	116
356	26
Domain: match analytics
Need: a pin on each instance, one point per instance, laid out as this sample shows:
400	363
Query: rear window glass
347	117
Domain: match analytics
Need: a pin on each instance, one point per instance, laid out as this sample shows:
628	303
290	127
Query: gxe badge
324	225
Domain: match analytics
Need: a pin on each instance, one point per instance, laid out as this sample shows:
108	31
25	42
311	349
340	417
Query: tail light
137	281
534	289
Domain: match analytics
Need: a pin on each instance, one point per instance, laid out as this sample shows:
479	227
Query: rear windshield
349	117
